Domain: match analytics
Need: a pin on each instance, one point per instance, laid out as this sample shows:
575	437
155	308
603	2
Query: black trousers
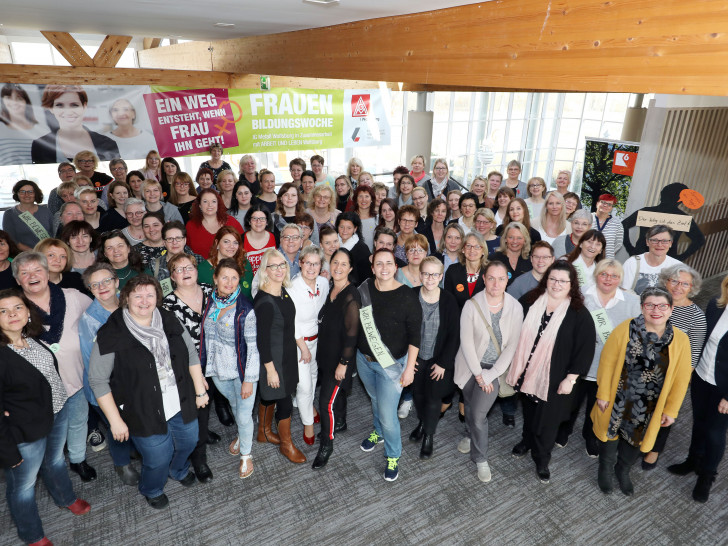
284	407
540	442
199	454
707	444
426	396
332	405
583	390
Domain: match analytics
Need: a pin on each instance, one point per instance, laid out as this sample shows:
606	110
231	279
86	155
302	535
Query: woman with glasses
556	346
610	227
216	164
609	306
513	182
489	328
465	278
485	225
29	221
536	189
207	216
641	392
174	236
134	211
308	291
182	194
416	248
642	271
440	336
440	183
581	222
275	315
257	238
468	204
407	219
404	190
227	244
683	283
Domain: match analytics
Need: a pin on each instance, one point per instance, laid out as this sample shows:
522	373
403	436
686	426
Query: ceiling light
322	2
224	25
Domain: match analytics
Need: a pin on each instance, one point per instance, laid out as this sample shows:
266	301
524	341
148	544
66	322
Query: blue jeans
166	455
384	388
242	409
44	456
77	427
120	451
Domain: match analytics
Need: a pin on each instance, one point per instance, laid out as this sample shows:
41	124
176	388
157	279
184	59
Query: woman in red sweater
207	216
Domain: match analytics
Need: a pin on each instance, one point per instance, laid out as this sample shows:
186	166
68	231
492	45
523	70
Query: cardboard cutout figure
669	199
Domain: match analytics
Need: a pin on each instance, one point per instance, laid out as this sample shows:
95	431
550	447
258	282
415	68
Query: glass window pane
519	105
500	105
461	107
515	135
594	105
568	133
573	103
442	106
29	53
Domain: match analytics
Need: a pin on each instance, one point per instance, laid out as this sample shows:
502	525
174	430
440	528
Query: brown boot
287	447
265	419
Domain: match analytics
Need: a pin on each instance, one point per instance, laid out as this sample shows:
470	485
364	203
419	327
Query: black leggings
284	407
424	394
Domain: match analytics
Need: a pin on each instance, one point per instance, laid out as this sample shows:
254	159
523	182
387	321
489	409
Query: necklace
125	276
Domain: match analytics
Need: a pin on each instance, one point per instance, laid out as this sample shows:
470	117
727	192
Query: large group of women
130	302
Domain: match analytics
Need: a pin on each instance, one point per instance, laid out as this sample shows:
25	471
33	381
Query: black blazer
26	395
43	149
712	316
360	261
523	265
134	380
456	282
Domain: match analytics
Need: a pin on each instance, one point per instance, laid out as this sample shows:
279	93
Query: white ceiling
195	19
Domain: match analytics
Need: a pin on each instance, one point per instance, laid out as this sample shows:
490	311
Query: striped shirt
691	320
613	232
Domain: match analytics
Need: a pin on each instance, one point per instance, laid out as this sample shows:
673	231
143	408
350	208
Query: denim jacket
93	319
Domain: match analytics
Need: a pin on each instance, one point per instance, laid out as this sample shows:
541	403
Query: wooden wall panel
665	46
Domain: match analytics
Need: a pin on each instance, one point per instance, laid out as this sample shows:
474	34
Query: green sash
602	324
35	226
380	351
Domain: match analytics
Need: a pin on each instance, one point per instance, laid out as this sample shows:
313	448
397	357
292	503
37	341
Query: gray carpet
439	501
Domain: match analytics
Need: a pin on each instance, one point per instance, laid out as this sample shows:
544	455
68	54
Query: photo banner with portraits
51	123
46	124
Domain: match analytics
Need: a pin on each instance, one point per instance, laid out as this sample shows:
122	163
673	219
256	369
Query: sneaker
483	472
404	409
543	474
464	445
592	448
96	440
371	441
562	443
392	470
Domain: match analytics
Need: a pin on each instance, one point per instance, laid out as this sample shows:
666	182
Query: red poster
624	163
189	122
360	106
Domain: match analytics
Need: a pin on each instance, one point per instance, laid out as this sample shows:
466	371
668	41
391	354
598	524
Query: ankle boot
265	420
287	448
322	457
223	409
701	492
416	434
426	449
607	460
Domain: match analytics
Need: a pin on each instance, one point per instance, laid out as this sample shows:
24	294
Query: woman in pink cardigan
490	325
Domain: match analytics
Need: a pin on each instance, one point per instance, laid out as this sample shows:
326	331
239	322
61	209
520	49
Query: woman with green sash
29	221
389	341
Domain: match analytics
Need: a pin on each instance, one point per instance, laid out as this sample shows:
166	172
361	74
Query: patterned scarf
154	338
54	319
643	375
222	303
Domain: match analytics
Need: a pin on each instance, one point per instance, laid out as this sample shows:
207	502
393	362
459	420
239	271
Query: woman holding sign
389	341
609	306
28	222
587	253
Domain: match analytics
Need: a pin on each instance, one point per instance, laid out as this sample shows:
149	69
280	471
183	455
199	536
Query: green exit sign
265	83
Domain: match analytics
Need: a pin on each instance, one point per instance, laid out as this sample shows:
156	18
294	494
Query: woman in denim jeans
33	431
390	329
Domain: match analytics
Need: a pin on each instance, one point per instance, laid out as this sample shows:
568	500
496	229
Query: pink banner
189	122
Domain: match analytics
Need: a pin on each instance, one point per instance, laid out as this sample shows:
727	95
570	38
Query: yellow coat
673	391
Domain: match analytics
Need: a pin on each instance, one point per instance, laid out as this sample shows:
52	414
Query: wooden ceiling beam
151	43
111	50
68	47
646	46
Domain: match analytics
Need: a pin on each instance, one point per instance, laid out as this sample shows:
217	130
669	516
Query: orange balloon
691	199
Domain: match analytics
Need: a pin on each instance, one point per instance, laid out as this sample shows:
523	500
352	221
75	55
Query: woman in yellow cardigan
642	379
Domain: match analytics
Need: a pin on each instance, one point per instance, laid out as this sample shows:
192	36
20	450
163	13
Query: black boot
607	460
223	410
684	468
322	457
626	457
339	426
426	449
701	492
416	434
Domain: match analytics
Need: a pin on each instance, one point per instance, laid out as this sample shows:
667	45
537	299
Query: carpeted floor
439	501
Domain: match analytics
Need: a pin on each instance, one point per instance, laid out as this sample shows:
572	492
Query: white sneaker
483	472
464	445
404	409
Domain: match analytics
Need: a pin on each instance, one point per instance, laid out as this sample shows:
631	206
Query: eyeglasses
135	214
103	282
181	184
653	306
541	258
174	239
433	276
606	276
304	228
440	168
472	247
406	221
67	171
660	241
258	219
26	192
675	283
312	264
559	282
416	251
276	267
85	160
606	204
185	269
114	169
291	237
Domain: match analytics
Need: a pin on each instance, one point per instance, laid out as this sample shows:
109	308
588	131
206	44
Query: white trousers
307	376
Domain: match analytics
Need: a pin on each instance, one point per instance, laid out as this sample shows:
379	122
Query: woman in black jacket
440	339
33	429
348	226
709	397
146	376
465	279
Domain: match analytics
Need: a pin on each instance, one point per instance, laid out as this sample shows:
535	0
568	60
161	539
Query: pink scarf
536	381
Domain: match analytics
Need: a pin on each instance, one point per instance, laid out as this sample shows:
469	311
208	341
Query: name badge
580	273
166	286
602	324
55	348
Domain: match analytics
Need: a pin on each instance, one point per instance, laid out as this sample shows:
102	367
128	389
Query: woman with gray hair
683	283
308	291
134	210
643	270
581	222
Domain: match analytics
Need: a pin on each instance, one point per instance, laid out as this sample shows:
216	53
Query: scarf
437	189
222	303
154	338
537	367
54	319
348	245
